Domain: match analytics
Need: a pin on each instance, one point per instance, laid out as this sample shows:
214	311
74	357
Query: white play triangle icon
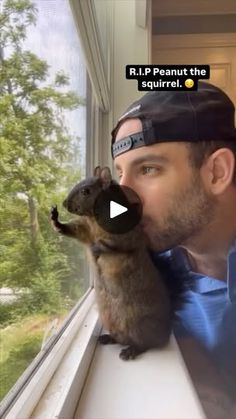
116	209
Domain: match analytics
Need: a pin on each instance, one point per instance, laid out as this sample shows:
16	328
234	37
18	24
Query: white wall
112	39
122	42
130	46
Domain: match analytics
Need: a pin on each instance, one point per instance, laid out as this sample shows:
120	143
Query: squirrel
133	300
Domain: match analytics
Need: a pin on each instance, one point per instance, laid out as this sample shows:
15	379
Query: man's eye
149	169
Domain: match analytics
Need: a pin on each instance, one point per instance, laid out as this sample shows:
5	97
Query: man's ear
220	166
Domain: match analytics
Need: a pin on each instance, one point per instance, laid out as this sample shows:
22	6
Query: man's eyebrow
143	159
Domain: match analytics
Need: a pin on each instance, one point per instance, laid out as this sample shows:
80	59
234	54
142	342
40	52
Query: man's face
176	205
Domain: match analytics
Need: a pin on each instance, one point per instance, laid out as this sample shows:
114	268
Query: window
44	103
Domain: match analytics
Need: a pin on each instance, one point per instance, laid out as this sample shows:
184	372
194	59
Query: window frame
27	392
86	21
22	394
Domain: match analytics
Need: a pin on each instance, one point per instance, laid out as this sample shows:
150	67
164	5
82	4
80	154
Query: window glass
43	112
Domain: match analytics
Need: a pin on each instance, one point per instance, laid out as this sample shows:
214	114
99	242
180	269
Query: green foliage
20	343
44	295
9	313
14	19
39	161
18	360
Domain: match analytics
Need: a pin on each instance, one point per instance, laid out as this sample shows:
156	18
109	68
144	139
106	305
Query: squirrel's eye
85	191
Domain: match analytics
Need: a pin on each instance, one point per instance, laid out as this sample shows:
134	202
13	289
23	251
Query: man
177	151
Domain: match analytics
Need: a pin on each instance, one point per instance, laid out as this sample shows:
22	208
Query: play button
118	209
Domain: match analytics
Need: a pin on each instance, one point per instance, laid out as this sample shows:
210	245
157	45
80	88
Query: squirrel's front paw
54	214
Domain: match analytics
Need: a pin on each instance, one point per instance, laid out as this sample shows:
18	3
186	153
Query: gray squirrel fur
133	301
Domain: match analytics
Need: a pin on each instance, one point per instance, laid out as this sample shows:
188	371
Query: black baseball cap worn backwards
196	115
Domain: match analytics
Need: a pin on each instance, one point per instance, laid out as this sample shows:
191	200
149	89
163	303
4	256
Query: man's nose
129	182
126	181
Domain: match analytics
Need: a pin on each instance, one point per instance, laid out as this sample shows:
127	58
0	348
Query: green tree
35	150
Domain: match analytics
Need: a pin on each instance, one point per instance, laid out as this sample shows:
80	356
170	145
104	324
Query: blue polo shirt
208	312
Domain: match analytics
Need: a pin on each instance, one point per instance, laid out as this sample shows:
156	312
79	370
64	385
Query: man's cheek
154	208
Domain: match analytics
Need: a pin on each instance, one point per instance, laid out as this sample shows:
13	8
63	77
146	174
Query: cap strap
132	141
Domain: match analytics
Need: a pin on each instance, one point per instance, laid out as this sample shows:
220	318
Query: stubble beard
191	211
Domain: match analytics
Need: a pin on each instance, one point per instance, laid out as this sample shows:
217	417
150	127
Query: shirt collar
231	273
205	284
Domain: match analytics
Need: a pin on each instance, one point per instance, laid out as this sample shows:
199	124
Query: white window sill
155	386
92	382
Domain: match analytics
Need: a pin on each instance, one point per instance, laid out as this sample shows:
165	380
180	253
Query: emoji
189	83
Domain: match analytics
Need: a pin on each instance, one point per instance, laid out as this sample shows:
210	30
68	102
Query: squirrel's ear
97	171
106	177
106	174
